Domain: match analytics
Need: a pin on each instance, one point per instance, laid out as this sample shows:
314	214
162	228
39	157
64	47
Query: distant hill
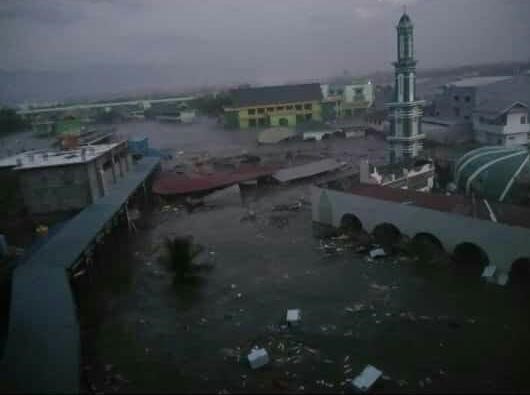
102	82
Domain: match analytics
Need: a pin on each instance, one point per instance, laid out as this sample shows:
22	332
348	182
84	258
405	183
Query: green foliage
10	121
213	105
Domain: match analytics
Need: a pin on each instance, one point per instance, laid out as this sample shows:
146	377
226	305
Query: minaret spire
405	139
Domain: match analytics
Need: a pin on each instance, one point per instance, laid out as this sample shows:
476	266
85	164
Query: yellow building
285	105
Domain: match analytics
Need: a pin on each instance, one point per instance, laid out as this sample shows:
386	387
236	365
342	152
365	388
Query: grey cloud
269	41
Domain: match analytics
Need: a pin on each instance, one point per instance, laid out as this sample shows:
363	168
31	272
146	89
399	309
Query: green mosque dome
490	172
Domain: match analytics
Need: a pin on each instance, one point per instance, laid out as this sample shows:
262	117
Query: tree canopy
10	121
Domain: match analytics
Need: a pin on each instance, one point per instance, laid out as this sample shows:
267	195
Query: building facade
350	100
52	182
271	106
405	139
492	109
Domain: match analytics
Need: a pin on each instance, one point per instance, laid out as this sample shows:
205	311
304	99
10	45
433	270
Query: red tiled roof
169	183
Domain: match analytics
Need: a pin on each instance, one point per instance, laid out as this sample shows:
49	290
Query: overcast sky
266	40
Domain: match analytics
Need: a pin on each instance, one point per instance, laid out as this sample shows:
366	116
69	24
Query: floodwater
428	328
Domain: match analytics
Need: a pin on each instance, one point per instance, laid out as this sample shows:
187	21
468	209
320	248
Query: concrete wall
449	133
266	113
59	188
502	243
455	102
290	118
71	187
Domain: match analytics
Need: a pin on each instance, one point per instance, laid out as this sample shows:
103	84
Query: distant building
285	105
492	110
70	180
348	100
405	137
501	113
458	99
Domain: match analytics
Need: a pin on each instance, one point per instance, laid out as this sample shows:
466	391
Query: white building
495	108
501	113
351	99
508	126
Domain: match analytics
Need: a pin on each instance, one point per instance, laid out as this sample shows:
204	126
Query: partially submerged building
493	110
284	105
417	175
348	100
62	181
495	233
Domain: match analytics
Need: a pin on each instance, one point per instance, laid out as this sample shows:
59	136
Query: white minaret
405	139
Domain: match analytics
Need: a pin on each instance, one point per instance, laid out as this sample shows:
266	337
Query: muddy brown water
428	328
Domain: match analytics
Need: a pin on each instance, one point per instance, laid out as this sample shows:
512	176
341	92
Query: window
289	107
523	120
481	119
511	137
261	110
466	117
468	99
252	123
252	111
279	108
456	111
298	106
457	98
308	117
308	106
270	109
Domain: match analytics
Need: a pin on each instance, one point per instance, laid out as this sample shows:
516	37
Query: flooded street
428	328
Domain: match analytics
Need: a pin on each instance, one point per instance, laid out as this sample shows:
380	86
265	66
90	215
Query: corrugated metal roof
478	81
176	184
280	94
43	346
307	170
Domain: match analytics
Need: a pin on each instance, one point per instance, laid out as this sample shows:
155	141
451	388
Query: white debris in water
378	252
258	358
502	279
489	272
367	378
293	316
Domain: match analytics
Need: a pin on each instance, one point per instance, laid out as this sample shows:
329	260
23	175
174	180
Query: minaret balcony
415	137
398	104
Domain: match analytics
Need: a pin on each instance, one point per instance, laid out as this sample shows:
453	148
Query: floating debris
293	316
258	358
366	379
378	252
